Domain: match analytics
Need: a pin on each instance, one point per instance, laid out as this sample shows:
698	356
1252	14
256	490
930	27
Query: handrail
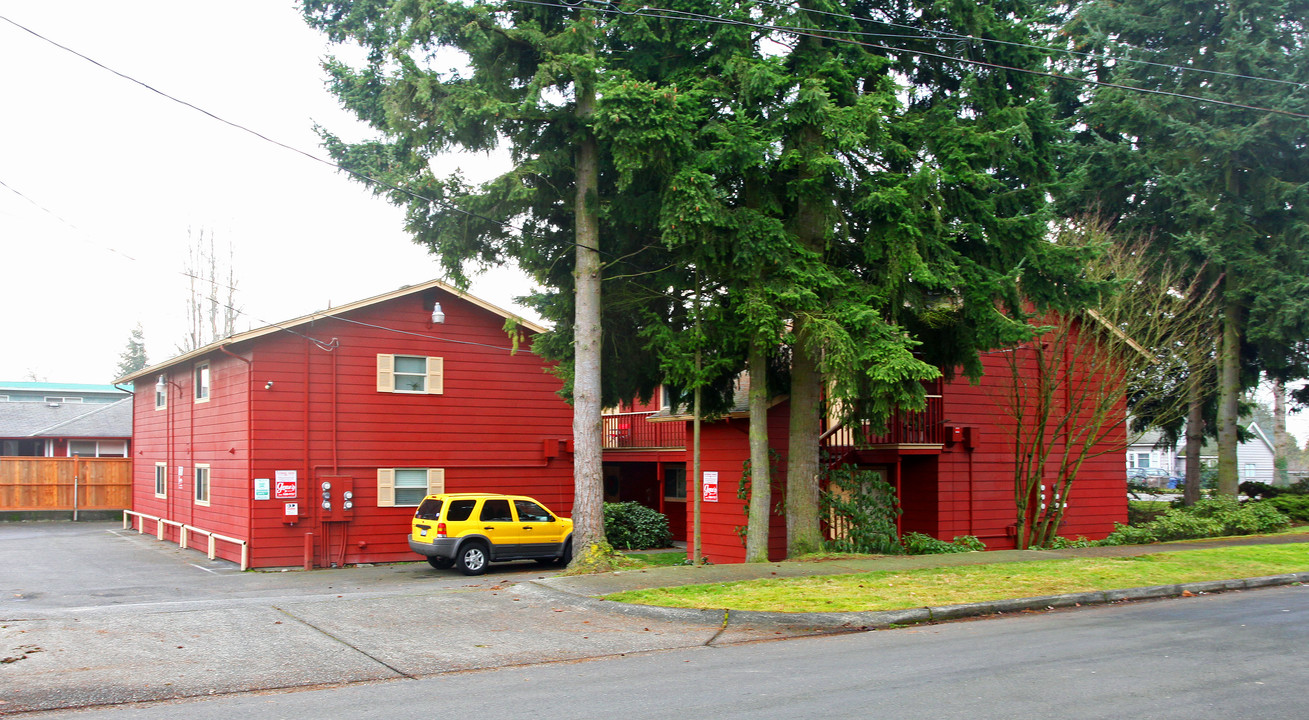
183	531
633	431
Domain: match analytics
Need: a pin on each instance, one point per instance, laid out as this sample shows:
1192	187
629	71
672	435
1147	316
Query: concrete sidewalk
594	587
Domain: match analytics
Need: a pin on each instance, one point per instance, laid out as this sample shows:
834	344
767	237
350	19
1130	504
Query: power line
942	34
671	14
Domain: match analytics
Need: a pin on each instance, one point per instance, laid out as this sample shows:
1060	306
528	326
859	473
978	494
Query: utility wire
671	14
945	35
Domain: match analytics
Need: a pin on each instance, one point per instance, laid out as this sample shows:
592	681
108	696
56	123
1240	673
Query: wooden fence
40	483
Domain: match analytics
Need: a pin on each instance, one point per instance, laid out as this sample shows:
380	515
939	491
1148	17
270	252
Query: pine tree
133	357
1222	187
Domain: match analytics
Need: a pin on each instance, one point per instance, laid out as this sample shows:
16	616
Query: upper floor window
202	382
410	374
64	399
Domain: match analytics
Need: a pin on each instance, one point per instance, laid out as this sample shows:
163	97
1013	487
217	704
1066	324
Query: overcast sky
113	177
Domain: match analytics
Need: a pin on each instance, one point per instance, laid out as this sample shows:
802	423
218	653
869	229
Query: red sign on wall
284	486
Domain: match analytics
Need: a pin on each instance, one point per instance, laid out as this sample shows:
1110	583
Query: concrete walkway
594	587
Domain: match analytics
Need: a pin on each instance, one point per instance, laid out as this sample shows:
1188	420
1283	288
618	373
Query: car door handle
527	527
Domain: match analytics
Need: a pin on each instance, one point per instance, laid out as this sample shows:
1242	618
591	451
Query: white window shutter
385	373
385	487
435	481
435	376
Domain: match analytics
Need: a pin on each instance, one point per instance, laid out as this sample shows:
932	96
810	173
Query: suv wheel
472	559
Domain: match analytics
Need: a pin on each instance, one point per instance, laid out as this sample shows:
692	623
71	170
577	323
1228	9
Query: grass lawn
976	583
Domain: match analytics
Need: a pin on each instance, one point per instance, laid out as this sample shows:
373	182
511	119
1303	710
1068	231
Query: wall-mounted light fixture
438	317
268	385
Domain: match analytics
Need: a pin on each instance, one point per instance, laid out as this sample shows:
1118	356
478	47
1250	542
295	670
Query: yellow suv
470	530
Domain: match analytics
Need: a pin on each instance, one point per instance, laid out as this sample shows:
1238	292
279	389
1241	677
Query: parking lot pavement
93	615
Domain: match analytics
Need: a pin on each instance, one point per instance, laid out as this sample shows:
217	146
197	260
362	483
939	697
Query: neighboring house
314	439
952	466
1254	458
1145	452
48	420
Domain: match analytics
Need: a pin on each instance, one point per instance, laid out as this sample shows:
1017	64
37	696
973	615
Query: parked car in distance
1151	477
468	531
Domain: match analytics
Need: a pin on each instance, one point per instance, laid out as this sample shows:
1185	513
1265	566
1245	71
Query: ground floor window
201	484
406	487
97	448
161	480
675	483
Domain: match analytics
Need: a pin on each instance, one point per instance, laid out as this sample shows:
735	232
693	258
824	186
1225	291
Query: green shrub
1181	525
1258	490
1295	507
916	543
862	507
1141	513
633	526
1063	543
1130	535
1214	517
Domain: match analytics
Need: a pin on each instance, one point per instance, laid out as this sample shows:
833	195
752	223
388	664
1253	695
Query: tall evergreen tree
1223	187
872	206
530	83
133	357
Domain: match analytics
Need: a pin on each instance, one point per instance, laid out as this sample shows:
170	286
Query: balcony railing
920	427
631	431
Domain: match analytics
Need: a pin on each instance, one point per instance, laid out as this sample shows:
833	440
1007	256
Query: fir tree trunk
1229	392
761	495
1194	442
803	534
588	503
1281	441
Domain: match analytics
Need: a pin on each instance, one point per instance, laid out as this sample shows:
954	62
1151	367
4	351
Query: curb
910	616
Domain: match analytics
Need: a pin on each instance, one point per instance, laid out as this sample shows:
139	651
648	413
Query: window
82	448
202	382
675	483
161	393
410	374
1249	471
161	480
406	487
1143	460
201	484
97	448
58	399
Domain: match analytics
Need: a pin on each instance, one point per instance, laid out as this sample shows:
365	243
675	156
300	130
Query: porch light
438	317
160	387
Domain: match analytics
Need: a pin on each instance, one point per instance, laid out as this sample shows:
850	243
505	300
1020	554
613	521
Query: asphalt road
97	618
1236	655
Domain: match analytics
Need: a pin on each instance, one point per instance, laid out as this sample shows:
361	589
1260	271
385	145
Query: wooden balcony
923	429
632	431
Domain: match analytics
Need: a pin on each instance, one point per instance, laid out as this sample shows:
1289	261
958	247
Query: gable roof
31	419
332	312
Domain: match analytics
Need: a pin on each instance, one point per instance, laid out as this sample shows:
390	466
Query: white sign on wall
710	487
263	488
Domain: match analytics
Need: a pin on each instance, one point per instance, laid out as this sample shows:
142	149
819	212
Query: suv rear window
460	510
429	510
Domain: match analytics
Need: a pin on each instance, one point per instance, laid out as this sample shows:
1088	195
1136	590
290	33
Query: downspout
249	441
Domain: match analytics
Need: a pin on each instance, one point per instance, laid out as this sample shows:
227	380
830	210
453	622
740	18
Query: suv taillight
440	530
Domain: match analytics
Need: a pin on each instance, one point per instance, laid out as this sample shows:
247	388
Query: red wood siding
724	448
189	433
316	411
